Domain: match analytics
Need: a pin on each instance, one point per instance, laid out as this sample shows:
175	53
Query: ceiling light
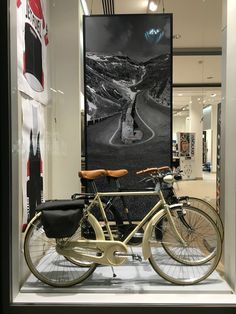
152	5
85	7
213	95
180	94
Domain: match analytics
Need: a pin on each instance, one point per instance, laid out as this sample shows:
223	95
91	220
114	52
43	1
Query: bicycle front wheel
198	230
190	264
209	210
46	264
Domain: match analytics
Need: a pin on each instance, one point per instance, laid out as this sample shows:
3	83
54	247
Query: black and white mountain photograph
128	97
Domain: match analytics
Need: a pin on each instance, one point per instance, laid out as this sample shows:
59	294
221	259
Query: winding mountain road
151	119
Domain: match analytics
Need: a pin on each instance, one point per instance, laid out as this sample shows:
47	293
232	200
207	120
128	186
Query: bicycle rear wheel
46	264
190	264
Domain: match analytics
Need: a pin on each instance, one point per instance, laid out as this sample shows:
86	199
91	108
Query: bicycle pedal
137	257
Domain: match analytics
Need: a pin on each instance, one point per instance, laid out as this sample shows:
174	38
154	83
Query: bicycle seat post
119	189
94	186
115	175
118	186
89	176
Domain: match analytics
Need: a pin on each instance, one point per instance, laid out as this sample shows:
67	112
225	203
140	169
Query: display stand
131	278
187	166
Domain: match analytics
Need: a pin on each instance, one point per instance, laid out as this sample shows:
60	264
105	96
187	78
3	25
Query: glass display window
169	259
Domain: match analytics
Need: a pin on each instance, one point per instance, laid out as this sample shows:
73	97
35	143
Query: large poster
128	99
32	46
32	156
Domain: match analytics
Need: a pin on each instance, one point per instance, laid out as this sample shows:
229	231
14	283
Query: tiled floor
205	188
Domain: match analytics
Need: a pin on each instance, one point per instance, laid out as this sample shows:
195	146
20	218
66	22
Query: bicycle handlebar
154	170
155	173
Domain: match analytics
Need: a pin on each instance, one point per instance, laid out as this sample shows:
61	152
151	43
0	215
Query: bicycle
47	255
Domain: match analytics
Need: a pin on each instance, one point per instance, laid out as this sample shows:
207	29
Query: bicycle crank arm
97	251
135	257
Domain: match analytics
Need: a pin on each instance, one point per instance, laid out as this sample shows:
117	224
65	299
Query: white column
228	147
195	115
187	124
213	137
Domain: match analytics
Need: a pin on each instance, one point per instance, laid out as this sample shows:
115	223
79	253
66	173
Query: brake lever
146	179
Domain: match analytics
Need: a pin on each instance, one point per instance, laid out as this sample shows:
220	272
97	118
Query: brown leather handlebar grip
147	170
164	168
153	170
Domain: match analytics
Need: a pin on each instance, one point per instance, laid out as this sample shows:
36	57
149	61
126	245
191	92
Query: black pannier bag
60	218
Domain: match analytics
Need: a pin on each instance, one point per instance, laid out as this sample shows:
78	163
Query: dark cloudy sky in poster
125	34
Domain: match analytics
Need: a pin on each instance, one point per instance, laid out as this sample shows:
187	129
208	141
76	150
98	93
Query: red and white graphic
32	44
32	157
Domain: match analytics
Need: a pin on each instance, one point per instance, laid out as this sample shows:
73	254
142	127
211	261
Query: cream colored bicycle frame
80	249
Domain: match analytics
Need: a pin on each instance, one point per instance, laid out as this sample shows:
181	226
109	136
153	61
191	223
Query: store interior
197	80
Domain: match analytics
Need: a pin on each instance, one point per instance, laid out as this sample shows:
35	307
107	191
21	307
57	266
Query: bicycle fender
97	228
31	223
148	232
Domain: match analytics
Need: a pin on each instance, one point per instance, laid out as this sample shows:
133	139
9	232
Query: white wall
179	125
64	112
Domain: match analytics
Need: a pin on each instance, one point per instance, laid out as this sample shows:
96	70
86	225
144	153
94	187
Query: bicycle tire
46	264
173	267
210	210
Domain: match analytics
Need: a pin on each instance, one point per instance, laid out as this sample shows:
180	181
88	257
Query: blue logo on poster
154	35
